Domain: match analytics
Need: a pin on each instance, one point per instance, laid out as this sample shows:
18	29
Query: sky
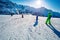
49	4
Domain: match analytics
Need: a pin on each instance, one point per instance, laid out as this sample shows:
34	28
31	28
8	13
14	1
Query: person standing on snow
23	11
36	18
22	16
12	12
48	21
36	23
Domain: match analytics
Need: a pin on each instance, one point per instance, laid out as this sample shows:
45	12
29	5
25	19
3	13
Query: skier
36	21
22	16
36	18
49	18
22	11
12	14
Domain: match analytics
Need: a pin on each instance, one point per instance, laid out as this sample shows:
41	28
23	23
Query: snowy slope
17	28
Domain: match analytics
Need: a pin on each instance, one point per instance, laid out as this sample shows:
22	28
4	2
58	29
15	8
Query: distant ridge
7	7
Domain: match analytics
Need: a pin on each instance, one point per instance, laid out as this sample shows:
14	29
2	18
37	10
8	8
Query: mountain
44	12
7	7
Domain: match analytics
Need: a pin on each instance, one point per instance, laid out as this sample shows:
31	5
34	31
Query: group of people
48	21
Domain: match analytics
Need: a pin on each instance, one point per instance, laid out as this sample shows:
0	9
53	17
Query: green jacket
49	15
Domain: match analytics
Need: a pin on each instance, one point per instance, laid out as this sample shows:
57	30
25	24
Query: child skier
49	18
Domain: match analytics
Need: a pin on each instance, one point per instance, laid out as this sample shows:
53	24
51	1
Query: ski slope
17	28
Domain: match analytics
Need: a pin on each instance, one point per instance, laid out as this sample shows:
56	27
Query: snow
17	28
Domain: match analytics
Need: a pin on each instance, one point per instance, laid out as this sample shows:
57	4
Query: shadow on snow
54	30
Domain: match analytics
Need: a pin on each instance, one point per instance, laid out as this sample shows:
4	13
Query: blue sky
50	4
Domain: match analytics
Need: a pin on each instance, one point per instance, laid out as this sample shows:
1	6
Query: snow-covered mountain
8	7
17	28
5	6
44	12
